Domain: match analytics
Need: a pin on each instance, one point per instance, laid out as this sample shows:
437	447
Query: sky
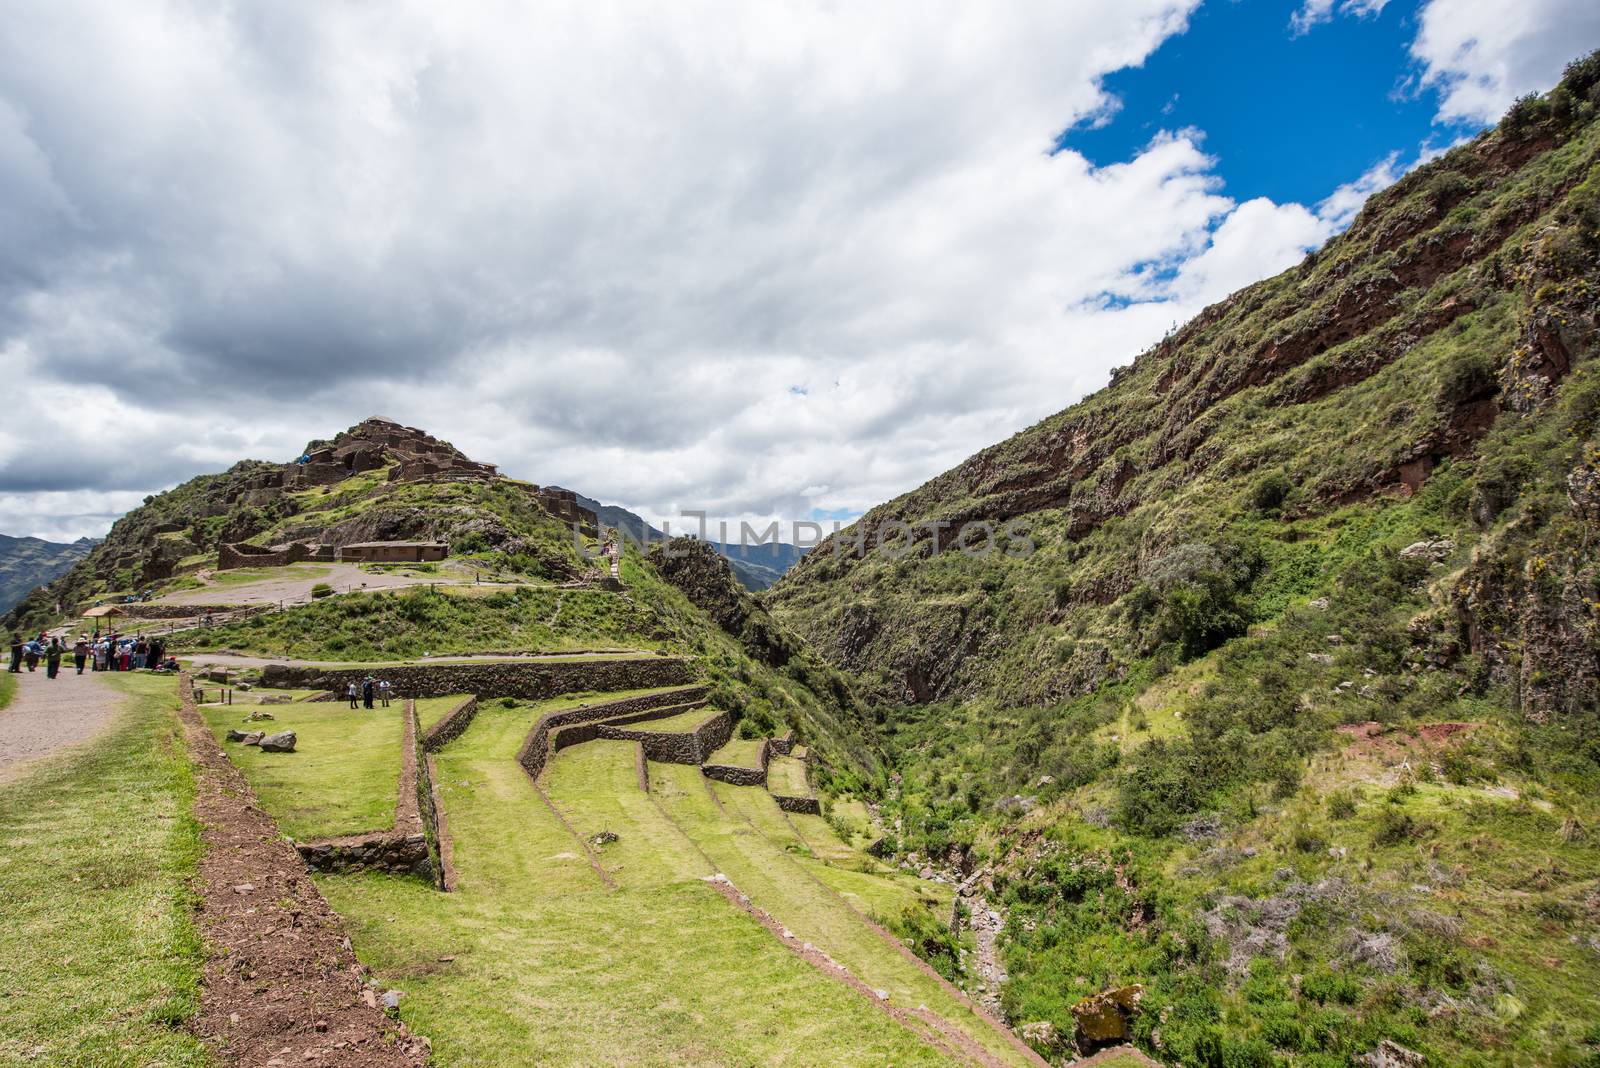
762	261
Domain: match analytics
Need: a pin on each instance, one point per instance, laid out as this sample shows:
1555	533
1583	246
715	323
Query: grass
787	776
245	576
547	966
739	753
99	960
749	840
431	710
343	777
8	688
682	723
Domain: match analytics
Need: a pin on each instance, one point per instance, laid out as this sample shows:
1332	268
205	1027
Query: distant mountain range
26	563
757	566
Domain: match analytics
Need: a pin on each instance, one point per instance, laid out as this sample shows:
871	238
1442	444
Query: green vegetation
1360	495
8	688
342	778
787	776
431	710
534	960
100	845
738	752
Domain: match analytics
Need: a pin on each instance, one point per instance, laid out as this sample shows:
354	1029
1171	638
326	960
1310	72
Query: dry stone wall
536	750
676	747
809	806
450	727
531	681
740	775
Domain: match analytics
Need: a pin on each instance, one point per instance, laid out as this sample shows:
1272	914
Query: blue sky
1287	115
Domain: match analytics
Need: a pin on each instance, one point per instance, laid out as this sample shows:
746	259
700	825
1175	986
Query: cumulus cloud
753	259
1480	55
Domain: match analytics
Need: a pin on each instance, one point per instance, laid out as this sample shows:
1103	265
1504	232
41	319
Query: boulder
1042	1036
282	742
236	736
252	737
1392	1055
257	716
1103	1018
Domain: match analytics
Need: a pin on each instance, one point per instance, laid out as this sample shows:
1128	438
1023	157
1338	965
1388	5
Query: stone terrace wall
785	745
809	806
536	747
241	555
578	733
738	774
677	747
532	681
450	727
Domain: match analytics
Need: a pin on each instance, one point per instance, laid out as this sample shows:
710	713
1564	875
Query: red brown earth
281	985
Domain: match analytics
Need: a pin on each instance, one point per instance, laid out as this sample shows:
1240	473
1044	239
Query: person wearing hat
367	687
80	652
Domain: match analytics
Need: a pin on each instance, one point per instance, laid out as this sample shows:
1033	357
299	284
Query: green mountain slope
1281	698
28	563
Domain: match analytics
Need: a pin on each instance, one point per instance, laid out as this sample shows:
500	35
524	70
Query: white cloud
1480	55
1313	13
598	248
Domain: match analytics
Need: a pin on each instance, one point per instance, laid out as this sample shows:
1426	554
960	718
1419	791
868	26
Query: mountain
757	566
1278	694
28	563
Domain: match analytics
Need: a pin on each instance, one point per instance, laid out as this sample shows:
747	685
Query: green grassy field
682	723
751	841
8	687
533	960
787	776
99	960
739	752
431	710
343	776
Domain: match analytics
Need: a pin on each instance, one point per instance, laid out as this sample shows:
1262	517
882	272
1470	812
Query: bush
1270	492
321	590
1341	805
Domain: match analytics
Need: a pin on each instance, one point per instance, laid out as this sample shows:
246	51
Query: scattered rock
1392	1055
258	716
1042	1036
282	742
1320	604
1103	1018
1432	551
602	838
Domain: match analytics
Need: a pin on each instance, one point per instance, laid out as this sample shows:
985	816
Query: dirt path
282	986
46	715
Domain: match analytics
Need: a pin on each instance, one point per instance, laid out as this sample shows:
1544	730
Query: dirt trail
50	714
282	986
240	660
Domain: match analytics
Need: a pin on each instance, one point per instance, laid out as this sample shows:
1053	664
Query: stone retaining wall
145	610
809	806
535	749
785	745
578	733
450	727
738	774
641	767
426	799
528	681
676	747
398	854
242	555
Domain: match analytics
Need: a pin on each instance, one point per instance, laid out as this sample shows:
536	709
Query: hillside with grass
1278	695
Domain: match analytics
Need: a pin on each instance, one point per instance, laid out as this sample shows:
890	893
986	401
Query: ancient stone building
394	552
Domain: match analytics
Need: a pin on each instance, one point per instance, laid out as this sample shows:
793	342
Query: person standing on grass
157	647
353	692
80	652
383	691
16	653
367	691
52	658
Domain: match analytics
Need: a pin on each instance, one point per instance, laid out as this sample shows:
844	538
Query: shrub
321	590
1305	839
1341	804
1270	491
